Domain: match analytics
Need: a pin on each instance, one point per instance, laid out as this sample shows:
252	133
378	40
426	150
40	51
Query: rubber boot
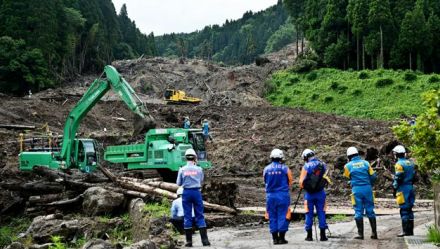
309	235
404	228
275	238
204	236
410	228
188	235
360	227
282	238
323	237
373	228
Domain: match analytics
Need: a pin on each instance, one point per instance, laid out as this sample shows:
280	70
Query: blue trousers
406	212
193	198
312	201
277	206
363	196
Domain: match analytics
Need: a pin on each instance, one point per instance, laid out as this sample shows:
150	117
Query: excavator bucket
142	125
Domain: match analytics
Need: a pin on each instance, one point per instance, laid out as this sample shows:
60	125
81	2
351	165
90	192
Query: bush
314	96
296	92
363	75
312	76
357	92
434	79
409	77
303	66
384	82
342	89
400	87
334	85
328	99
293	81
434	235
286	99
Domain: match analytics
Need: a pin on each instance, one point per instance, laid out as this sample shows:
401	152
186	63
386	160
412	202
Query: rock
140	222
98	201
143	244
15	245
98	244
43	228
43	246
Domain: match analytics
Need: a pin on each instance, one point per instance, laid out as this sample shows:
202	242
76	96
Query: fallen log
139	187
164	185
17	127
64	202
34	188
38	199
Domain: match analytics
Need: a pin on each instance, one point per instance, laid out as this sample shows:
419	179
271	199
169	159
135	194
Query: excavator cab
87	155
198	143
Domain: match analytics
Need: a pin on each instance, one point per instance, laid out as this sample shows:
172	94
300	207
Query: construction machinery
163	149
179	97
79	152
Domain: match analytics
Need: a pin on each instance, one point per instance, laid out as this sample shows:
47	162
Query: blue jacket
404	174
309	168
277	178
205	128
359	172
190	176
186	124
177	209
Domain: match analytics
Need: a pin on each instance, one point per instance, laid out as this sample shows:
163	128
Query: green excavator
162	150
79	152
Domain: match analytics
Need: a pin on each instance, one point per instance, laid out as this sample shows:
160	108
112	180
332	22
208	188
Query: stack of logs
56	190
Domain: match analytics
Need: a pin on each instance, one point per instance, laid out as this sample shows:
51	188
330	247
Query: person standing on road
186	123
362	177
278	180
313	181
190	177
404	178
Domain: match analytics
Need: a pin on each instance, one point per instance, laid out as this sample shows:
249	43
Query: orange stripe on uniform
290	177
306	206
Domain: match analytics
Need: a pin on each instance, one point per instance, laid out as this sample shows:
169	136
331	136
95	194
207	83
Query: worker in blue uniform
404	178
362	177
190	177
278	179
205	130
313	180
186	123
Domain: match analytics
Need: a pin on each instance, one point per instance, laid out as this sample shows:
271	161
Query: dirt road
258	237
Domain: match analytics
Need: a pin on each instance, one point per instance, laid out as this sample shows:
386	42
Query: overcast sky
167	16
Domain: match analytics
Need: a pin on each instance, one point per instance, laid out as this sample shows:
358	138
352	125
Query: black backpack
315	182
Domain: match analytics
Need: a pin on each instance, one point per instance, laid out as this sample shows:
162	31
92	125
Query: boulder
99	201
139	220
143	244
98	244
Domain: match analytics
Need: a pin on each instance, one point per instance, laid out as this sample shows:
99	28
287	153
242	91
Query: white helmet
277	153
352	151
399	149
190	153
179	191
307	153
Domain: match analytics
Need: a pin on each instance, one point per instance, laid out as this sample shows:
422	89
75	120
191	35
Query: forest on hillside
370	34
236	41
45	42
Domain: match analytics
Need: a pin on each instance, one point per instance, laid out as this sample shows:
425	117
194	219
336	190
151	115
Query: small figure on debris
205	130
404	179
190	177
186	123
313	180
278	180
30	94
177	212
362	178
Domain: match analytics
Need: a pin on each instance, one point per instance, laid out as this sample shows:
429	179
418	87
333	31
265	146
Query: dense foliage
44	41
235	42
423	138
361	34
378	94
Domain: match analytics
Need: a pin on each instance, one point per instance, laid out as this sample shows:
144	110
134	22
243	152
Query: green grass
10	230
158	210
338	218
379	94
434	235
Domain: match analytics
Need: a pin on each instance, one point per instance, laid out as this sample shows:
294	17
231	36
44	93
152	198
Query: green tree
423	138
357	12
381	25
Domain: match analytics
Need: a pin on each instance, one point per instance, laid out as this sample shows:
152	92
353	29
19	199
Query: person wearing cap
362	177
404	178
186	123
190	178
313	180
205	130
278	180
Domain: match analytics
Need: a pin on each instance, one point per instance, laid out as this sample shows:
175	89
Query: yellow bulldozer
173	96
